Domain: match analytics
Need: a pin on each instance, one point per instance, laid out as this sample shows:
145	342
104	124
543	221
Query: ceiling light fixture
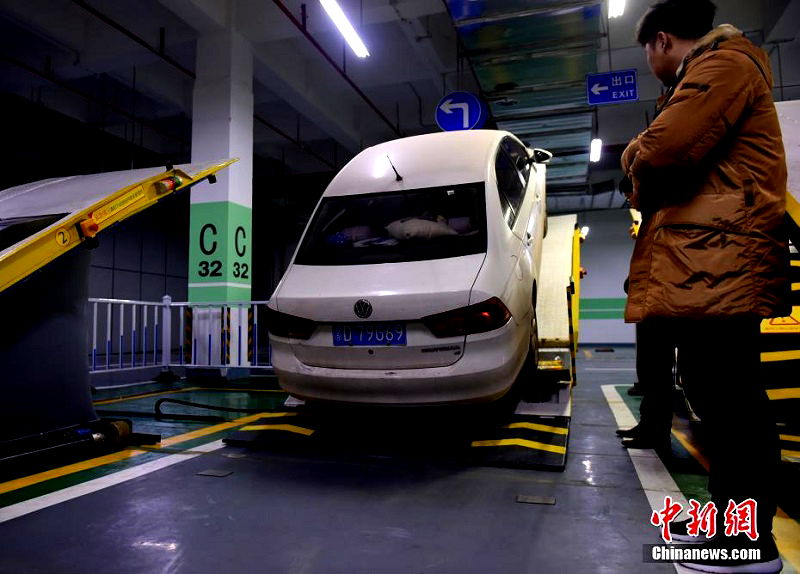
616	8
595	150
345	27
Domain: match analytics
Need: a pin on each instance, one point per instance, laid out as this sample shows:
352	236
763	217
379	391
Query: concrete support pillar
220	267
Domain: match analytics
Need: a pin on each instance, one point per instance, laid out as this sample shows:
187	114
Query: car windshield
392	227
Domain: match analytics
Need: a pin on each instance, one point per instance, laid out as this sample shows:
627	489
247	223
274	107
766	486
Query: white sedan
415	280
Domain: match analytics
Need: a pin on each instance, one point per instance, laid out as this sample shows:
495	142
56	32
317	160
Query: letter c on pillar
243	250
212	228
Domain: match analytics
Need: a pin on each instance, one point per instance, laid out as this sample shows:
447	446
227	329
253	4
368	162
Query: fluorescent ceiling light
595	150
616	8
345	27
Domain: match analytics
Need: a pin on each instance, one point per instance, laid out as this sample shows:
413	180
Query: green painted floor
688	473
136	403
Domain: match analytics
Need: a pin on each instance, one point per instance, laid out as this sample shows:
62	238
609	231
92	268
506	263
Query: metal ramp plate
534	436
527	441
552	310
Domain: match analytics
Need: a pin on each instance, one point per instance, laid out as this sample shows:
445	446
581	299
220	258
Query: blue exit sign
612	87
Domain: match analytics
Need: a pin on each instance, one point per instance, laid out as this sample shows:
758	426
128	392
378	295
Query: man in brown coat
711	258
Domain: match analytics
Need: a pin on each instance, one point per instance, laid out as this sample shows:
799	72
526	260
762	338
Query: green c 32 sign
219	253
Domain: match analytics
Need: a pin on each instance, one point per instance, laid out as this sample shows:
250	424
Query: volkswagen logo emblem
362	308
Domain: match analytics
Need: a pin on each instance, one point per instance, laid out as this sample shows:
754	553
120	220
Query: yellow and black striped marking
790	445
780	363
528	441
519	441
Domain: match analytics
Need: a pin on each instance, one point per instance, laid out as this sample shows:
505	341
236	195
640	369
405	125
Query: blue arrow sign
461	111
612	87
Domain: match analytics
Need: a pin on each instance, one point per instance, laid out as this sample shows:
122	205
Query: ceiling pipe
299	25
136	38
89	98
160	53
419	107
296	142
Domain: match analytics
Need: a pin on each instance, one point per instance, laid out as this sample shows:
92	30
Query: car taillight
289	326
479	318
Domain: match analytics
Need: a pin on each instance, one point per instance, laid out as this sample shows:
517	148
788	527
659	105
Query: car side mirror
541	155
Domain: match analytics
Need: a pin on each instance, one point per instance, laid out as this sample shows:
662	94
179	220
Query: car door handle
528	238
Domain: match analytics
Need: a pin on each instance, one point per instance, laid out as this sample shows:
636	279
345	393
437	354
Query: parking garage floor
196	505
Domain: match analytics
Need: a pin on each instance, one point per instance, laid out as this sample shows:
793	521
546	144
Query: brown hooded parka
710	179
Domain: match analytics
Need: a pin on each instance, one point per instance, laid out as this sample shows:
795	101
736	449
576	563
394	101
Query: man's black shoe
761	556
679	530
629	433
635	390
660	445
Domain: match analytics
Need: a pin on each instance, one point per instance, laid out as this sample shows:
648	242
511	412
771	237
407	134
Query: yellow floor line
276	415
520	442
120	456
779	394
145	395
288	428
772	356
784	527
790	437
535	426
698	456
69	469
791	453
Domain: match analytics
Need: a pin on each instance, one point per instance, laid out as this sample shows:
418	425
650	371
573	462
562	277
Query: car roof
429	160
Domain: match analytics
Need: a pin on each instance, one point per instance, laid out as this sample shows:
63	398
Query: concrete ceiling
128	68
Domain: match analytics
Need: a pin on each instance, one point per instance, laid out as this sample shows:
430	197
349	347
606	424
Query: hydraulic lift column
220	268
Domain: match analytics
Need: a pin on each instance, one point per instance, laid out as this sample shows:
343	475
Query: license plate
369	334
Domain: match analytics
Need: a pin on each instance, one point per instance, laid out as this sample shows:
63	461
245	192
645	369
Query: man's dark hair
686	19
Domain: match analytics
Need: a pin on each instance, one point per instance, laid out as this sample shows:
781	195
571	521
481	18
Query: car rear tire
528	380
533	343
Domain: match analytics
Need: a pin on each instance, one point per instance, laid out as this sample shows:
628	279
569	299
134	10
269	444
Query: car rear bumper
487	369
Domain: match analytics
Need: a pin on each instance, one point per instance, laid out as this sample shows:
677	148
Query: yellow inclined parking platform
75	209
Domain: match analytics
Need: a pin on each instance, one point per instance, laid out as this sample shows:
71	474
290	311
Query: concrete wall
145	257
606	256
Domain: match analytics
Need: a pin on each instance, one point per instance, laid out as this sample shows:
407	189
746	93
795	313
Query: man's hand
637	222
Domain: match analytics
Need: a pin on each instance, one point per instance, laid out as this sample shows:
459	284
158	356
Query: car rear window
392	227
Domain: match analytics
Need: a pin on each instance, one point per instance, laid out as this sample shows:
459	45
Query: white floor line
53	498
653	475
